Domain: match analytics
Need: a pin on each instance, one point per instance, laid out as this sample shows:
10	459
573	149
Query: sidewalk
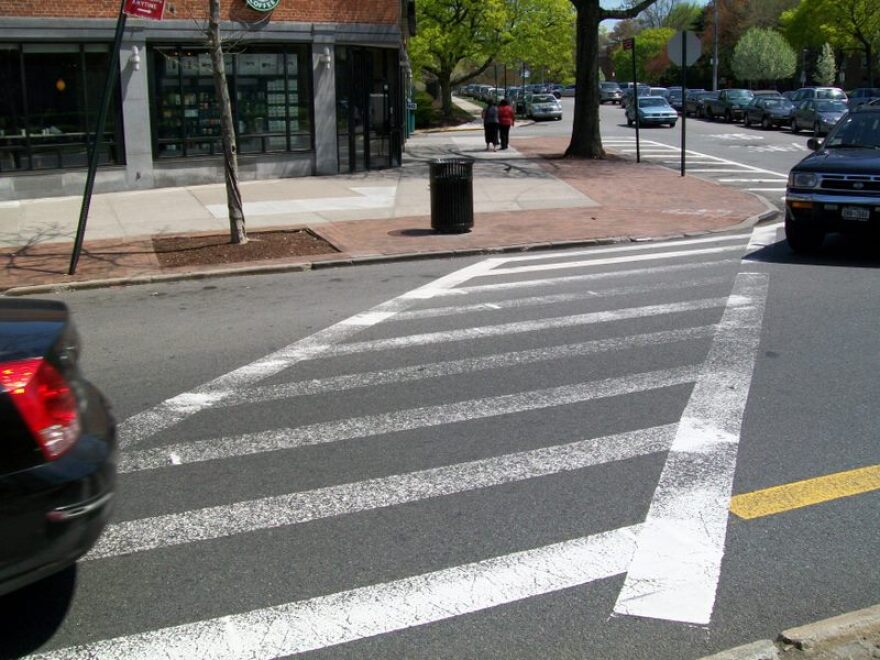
525	197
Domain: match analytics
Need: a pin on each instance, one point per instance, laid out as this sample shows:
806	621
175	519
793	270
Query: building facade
316	88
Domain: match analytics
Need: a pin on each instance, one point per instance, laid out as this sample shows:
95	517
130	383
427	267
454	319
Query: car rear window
830	106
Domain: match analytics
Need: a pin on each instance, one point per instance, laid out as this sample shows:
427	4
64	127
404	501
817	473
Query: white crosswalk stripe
671	567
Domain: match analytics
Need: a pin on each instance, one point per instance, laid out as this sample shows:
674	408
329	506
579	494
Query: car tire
765	124
709	114
801	239
629	122
728	117
746	121
794	126
816	129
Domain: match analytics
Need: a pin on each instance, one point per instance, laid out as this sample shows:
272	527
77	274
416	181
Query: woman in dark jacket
506	119
490	125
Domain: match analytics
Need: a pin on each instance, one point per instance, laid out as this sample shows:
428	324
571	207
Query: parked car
804	93
729	104
544	106
659	91
569	90
626	99
609	92
58	455
691	100
817	115
653	111
675	100
767	92
861	96
836	188
769	112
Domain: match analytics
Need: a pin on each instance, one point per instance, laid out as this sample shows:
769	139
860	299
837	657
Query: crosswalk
506	374
728	172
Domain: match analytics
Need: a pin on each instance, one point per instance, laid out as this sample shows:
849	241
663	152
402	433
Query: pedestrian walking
506	119
490	125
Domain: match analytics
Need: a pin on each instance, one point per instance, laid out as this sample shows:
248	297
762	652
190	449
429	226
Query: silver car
609	92
544	106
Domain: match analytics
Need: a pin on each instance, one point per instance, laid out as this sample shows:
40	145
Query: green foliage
459	39
826	67
424	109
650	48
763	54
683	16
842	23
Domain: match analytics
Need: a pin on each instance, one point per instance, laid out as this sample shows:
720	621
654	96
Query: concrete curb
855	636
38	289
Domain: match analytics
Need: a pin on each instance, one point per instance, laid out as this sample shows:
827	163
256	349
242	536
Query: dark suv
837	188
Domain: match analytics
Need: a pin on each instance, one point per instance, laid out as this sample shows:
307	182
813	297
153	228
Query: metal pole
96	141
636	101
715	49
684	88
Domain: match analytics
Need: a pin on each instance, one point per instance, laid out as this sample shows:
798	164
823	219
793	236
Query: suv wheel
802	239
728	117
794	126
765	123
746	121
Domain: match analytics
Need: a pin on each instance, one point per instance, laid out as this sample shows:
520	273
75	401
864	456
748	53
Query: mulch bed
177	251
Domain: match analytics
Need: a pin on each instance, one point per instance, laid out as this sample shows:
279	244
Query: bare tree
237	233
586	141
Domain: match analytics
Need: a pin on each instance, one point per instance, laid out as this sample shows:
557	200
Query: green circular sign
263	5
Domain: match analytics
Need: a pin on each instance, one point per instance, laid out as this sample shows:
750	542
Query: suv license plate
855	213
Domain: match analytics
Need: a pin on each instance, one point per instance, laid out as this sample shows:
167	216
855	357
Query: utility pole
715	48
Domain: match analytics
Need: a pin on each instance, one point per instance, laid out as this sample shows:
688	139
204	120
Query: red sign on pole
628	44
151	9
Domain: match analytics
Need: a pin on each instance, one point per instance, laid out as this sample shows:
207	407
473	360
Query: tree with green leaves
586	142
763	55
826	66
650	45
460	39
846	24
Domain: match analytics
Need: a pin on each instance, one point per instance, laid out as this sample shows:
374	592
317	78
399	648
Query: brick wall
319	11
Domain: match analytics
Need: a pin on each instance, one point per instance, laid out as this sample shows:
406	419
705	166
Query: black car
837	188
768	112
58	455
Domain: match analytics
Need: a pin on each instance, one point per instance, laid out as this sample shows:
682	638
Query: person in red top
505	121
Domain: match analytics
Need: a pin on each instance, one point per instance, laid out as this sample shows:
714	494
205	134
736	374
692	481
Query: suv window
858	129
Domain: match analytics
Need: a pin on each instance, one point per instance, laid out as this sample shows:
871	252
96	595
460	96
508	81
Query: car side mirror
814	144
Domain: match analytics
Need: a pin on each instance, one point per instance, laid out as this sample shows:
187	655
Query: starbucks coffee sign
263	5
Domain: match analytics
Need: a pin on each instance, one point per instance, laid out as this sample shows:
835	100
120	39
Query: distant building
316	88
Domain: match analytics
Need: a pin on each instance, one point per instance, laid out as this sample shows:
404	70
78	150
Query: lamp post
804	67
715	48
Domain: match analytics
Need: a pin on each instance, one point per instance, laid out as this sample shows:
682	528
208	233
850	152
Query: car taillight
45	402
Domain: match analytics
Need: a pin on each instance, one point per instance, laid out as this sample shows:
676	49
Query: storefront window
268	91
49	106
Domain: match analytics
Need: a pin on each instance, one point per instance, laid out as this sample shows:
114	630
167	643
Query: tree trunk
586	142
237	233
445	80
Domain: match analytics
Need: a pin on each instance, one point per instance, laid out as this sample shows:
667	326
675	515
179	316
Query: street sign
151	9
628	44
691	41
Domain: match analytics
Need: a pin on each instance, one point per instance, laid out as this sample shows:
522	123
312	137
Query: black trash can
452	195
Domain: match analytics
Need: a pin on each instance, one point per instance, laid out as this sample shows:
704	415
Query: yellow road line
798	494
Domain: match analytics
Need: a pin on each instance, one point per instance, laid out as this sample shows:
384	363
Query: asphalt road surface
557	454
751	159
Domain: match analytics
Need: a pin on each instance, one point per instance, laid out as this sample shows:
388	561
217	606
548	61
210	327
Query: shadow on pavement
30	617
837	251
